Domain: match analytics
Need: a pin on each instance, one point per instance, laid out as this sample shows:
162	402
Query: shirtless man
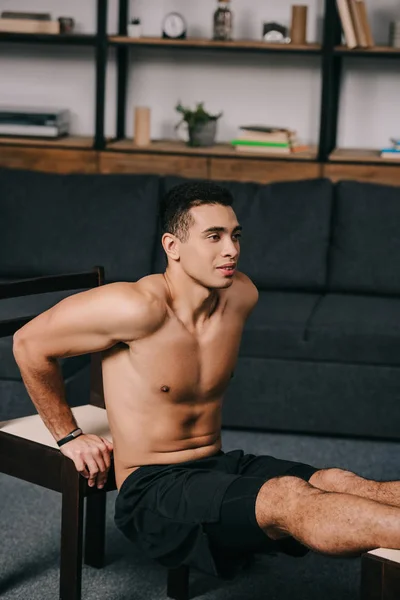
170	344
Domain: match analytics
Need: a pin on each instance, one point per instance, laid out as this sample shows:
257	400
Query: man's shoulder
246	284
244	292
144	299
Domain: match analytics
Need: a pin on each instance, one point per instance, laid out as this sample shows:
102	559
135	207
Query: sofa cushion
357	329
51	223
276	327
365	251
12	308
285	231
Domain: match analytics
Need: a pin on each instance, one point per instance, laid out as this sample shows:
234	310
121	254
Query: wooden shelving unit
69	142
375	51
361	155
98	41
120	40
218	150
94	154
70	39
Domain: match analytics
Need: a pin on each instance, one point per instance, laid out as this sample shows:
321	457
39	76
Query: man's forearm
43	380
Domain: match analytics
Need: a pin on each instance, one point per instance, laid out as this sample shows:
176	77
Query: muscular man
170	344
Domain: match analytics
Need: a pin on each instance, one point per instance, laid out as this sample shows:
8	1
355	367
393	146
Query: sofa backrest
365	249
52	223
286	230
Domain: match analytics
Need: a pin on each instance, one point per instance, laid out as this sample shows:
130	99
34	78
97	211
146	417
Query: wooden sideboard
221	162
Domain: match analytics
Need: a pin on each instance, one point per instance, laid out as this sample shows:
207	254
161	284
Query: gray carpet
30	525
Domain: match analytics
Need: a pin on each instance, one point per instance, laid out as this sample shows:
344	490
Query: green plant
199	116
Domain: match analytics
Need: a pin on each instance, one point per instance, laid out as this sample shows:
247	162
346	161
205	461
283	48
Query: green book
253	143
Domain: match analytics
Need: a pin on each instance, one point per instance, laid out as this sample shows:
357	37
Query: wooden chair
29	452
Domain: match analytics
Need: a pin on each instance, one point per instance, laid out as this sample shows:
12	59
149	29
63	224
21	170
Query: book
300	148
358	24
391	155
263	149
280	136
362	11
347	23
29	26
9	14
242	142
263	128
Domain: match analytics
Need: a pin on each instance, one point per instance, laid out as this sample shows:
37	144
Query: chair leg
178	583
95	530
71	532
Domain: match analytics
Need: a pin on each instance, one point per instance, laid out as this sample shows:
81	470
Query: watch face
174	25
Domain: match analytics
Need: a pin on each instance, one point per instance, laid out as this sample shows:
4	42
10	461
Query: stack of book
267	140
22	22
393	151
355	24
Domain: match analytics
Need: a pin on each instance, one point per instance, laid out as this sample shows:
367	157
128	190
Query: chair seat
91	419
388	553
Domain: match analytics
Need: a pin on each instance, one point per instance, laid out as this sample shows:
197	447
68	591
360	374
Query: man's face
213	243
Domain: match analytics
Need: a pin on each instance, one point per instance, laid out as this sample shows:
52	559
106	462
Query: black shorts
201	513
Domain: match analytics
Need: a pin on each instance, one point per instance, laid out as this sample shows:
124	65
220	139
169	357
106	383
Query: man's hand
92	457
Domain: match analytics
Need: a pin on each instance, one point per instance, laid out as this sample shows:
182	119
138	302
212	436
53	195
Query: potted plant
134	28
202	126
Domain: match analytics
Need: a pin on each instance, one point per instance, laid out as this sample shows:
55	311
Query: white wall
248	87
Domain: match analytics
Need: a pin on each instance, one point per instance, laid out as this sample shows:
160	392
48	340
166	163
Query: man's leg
346	482
326	522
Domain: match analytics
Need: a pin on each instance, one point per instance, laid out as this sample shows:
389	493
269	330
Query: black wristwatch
71	436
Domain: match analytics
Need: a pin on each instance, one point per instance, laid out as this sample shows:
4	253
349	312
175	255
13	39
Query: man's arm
86	322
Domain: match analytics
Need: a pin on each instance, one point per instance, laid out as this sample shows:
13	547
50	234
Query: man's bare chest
182	364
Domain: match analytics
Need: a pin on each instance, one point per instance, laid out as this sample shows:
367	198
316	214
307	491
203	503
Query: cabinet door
48	159
387	174
155	164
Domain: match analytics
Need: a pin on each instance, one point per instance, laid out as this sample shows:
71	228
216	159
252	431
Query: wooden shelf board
374	50
71	141
78	39
360	155
226	150
207	43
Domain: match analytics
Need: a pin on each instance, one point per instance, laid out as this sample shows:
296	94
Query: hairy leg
326	522
346	482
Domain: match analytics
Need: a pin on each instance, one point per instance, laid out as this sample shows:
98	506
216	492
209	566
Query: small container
298	31
67	24
223	21
142	125
134	29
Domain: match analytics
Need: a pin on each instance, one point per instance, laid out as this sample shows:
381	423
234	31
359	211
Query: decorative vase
298	30
142	126
203	134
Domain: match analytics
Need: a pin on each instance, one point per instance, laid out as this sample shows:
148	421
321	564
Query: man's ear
170	244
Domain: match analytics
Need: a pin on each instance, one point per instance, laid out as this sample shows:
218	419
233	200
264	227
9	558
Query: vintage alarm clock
275	33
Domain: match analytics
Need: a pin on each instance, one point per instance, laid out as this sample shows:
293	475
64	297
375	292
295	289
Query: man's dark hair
175	206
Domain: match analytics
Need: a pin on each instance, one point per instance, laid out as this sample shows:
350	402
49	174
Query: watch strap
71	436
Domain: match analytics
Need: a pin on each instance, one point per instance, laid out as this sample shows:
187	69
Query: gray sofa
321	351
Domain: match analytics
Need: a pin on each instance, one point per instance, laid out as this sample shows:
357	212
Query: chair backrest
57	283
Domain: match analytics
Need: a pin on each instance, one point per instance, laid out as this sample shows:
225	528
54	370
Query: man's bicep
86	322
